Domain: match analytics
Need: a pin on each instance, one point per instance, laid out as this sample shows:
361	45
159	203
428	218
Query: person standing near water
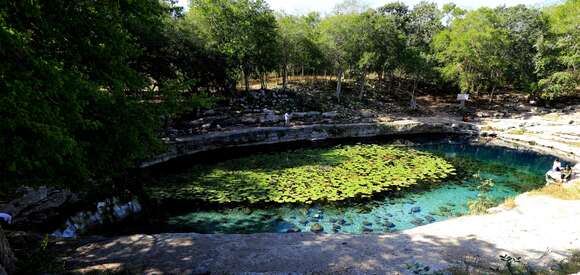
554	175
557	166
286	119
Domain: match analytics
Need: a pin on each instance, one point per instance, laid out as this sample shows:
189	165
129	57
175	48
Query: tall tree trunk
264	84
389	83
246	80
338	84
413	99
491	95
285	77
362	85
302	74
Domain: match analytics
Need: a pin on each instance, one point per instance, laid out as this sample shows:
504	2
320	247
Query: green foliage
244	31
558	54
40	259
84	84
306	176
66	106
471	50
483	201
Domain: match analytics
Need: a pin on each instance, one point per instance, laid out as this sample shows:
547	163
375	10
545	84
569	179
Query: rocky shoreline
429	245
189	145
562	139
475	242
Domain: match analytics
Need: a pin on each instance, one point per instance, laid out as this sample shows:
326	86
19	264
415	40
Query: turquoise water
513	172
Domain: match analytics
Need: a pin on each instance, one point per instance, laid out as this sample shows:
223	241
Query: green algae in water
307	176
513	172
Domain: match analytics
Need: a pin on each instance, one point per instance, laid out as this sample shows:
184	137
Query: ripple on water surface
512	171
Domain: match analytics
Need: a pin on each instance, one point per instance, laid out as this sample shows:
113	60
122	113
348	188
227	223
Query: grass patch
560	192
519	132
488	128
570	265
307	175
509	203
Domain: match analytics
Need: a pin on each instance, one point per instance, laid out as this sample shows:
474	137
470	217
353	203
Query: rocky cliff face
7	259
38	208
270	135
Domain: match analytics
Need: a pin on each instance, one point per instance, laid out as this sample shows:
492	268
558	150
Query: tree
473	52
243	30
419	62
72	104
298	41
524	27
336	40
558	53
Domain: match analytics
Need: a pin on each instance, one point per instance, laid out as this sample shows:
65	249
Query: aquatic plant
483	200
307	175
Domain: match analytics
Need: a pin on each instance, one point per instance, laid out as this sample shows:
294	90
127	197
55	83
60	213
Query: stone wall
270	135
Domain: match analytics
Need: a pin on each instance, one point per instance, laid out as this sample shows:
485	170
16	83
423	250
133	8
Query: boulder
367	230
330	115
415	209
36	209
365	113
293	230
418	221
7	259
389	225
316	228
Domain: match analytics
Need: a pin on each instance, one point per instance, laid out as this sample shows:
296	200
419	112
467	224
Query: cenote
444	177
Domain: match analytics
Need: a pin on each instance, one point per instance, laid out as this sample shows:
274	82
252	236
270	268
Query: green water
512	171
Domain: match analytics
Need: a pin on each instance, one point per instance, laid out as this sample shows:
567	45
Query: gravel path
540	229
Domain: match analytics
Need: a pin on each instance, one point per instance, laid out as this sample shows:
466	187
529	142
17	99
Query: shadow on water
213	157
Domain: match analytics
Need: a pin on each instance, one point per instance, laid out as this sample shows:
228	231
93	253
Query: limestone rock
415	209
40	207
316	228
7	259
330	115
389	224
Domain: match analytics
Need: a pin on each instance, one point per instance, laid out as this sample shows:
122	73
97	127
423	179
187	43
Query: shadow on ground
298	252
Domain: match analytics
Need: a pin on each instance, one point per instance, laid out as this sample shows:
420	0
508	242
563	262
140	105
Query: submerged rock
366	223
417	221
293	229
316	228
415	209
429	219
389	224
367	230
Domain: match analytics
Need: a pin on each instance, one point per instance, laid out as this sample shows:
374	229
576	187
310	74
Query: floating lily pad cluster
307	175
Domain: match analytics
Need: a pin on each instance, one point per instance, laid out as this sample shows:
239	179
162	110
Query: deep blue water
512	171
